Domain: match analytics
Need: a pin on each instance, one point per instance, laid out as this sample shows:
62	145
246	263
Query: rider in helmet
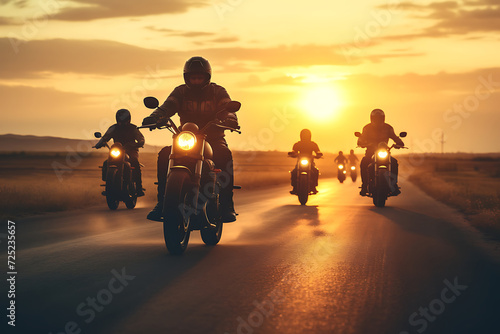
305	147
353	159
375	132
131	138
341	159
198	101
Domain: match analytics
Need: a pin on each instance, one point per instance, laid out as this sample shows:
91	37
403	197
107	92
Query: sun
322	102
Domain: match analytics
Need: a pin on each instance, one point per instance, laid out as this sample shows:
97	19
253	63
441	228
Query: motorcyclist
305	147
197	101
131	138
353	159
374	133
341	159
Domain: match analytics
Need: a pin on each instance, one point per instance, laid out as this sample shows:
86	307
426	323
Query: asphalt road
337	265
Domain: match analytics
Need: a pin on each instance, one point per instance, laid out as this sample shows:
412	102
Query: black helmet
377	116
305	135
197	65
123	116
341	153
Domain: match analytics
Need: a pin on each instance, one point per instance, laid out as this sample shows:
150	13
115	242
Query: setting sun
322	101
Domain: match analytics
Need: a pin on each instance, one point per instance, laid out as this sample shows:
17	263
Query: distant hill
27	143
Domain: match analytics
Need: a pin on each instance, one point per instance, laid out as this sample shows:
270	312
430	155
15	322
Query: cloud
173	32
39	57
450	18
99	9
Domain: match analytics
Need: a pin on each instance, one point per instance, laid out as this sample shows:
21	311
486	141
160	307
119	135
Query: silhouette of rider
374	133
197	101
131	138
306	147
353	159
341	159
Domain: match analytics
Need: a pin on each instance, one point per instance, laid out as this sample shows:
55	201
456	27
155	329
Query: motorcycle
353	173
117	173
304	180
380	185
341	173
191	200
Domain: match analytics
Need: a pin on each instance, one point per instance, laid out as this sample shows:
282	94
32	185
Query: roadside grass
471	185
30	185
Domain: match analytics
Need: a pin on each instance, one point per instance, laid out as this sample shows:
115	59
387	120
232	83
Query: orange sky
66	67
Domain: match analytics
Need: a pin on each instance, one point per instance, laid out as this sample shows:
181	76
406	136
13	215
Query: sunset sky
432	66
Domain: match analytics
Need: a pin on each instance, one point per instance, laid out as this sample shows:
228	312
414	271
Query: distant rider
305	147
353	159
374	133
131	138
341	159
198	101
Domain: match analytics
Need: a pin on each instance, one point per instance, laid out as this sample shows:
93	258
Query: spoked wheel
111	197
303	190
211	235
176	212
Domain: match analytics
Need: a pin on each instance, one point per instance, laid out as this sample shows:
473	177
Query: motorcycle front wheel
176	212
303	191
381	190
111	198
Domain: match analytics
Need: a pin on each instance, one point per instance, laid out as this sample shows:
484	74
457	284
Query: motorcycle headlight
353	168
345	172
115	153
186	140
382	154
304	162
341	166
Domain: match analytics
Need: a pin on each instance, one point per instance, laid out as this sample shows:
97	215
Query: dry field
470	183
33	183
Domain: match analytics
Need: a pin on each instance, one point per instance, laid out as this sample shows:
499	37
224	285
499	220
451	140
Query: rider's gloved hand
149	120
229	119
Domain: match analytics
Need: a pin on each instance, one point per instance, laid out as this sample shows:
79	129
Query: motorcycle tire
381	191
131	193
303	191
111	198
176	212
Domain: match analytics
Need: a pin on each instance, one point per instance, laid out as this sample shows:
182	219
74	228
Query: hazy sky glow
67	66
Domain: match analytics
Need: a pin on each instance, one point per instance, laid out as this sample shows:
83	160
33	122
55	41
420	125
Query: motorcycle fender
181	168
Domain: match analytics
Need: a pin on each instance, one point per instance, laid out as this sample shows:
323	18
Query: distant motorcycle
353	173
191	200
341	172
303	167
117	173
379	170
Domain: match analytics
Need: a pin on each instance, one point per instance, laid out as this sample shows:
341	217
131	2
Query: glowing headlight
186	140
304	162
341	166
382	154
345	172
353	168
115	153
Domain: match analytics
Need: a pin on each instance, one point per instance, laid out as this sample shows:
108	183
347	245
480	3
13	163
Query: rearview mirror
357	134
97	134
233	106
402	134
151	102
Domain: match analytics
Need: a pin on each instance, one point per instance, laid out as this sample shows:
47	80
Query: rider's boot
364	189
228	215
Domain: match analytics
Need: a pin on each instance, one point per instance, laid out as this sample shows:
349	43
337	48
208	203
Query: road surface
337	265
